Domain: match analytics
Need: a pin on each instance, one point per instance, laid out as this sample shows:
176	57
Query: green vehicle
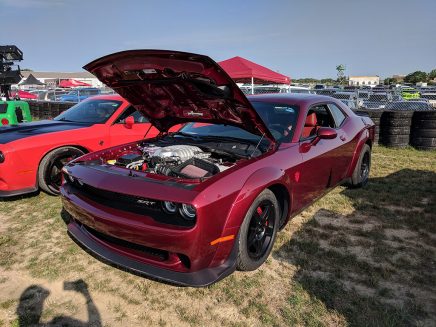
409	93
14	112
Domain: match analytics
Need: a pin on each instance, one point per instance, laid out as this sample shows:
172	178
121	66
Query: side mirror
326	133
129	122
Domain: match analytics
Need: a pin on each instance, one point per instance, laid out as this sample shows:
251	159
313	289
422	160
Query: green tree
432	74
416	77
390	80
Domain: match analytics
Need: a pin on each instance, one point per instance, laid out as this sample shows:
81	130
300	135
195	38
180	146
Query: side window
131	111
318	116
337	113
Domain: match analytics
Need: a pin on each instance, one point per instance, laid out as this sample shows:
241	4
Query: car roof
300	99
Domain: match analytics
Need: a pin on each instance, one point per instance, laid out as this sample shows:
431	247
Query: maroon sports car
190	207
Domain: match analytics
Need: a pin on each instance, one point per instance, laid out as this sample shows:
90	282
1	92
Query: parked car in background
32	154
14	112
79	94
192	206
409	93
52	95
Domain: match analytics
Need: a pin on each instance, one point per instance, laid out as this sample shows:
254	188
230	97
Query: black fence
47	109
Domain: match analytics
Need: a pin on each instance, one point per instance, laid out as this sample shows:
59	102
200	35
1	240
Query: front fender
253	186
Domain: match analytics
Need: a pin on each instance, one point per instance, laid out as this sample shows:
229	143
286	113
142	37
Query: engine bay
180	160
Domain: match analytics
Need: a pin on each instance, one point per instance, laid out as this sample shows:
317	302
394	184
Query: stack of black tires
395	128
423	131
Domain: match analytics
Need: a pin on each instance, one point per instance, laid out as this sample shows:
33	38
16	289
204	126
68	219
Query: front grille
159	254
130	203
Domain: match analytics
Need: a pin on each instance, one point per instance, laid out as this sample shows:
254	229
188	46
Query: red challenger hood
171	87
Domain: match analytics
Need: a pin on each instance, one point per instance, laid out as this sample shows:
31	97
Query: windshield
91	111
279	118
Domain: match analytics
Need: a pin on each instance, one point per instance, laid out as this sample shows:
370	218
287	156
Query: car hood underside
171	87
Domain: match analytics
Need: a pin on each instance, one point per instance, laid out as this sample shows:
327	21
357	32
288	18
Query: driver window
131	111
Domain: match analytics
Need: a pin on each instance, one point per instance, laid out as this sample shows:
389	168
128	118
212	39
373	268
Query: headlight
169	207
2	157
188	211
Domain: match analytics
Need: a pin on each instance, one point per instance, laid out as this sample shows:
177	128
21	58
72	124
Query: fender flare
253	186
364	137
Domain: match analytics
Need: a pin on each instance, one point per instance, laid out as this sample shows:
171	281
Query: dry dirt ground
355	258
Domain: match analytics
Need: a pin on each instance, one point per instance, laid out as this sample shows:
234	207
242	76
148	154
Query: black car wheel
360	175
258	231
50	168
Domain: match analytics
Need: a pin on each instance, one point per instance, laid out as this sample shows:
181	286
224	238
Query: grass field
355	258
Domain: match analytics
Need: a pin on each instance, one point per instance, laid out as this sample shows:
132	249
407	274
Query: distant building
364	80
52	79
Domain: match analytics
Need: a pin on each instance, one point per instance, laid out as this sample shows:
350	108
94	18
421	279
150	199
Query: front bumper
135	242
9	194
199	278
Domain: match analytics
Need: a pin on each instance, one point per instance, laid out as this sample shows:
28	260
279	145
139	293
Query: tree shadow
376	265
31	305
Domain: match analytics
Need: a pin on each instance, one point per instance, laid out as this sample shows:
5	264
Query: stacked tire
423	132
395	128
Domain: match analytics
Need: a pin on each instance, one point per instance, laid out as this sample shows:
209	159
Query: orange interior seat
310	126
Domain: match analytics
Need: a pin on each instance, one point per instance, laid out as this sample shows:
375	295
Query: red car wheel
49	172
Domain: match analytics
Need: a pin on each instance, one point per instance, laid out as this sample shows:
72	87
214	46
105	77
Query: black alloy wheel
258	231
261	229
50	169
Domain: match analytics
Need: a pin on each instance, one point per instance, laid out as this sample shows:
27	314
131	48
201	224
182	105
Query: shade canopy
243	71
72	83
31	80
23	95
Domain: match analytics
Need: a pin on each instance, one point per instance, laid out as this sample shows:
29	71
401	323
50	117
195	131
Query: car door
323	164
121	131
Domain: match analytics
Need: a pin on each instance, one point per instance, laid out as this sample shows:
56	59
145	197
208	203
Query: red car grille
138	205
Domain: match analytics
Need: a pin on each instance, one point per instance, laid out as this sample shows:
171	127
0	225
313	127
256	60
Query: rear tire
258	232
360	175
49	171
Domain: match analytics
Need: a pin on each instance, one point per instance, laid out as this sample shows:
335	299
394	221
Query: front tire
49	172
360	175
258	232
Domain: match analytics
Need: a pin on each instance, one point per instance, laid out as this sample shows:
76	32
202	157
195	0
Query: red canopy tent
72	83
246	71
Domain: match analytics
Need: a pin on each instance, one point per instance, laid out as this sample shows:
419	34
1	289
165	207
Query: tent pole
252	85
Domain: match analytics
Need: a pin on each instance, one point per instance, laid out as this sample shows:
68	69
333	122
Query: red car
32	154
190	207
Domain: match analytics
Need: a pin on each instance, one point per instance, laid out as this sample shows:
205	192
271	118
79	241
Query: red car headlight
187	211
2	157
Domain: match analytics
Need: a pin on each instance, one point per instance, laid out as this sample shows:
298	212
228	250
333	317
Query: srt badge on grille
146	202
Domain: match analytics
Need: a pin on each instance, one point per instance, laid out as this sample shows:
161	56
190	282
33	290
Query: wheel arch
271	178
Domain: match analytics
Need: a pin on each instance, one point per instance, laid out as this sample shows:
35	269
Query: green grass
355	258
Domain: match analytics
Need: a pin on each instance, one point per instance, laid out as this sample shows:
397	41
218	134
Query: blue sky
305	38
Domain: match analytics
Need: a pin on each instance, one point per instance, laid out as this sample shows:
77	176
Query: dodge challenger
190	207
33	154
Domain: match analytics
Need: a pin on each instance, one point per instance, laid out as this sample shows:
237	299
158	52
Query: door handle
342	137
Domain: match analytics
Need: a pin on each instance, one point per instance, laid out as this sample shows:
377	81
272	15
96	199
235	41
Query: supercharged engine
184	161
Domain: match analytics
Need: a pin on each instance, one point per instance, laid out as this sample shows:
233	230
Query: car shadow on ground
376	266
31	307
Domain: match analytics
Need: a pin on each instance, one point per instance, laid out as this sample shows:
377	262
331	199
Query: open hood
171	87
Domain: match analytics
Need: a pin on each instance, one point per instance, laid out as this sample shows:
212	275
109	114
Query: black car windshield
279	118
90	111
